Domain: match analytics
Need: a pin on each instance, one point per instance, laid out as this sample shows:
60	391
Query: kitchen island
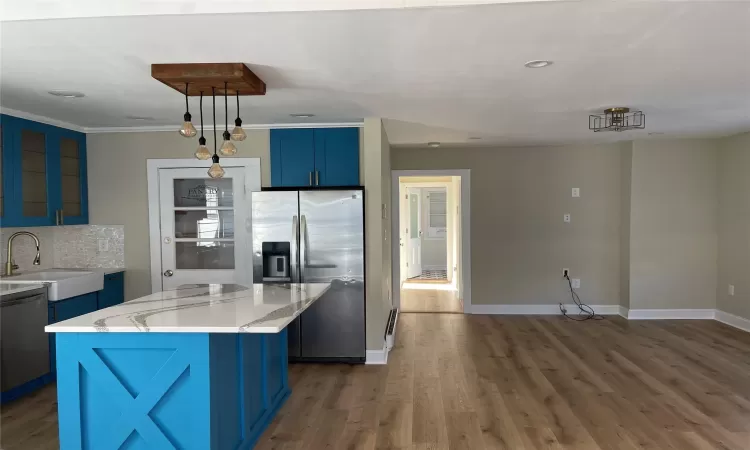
199	367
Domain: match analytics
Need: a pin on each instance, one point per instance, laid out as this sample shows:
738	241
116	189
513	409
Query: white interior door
403	232
415	233
204	227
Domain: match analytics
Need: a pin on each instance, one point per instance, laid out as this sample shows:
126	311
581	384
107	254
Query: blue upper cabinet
315	157
44	175
292	157
337	156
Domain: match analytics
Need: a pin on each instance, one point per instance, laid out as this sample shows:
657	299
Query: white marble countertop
14	288
213	308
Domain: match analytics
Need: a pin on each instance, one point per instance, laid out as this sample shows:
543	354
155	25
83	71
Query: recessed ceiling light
142	118
538	63
433	144
67	94
302	115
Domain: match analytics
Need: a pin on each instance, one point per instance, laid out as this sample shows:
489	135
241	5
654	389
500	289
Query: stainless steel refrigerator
316	236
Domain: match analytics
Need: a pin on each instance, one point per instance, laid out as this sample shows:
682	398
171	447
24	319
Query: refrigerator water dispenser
276	258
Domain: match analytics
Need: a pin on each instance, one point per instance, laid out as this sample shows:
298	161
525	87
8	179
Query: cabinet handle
309	174
62	217
317	178
57	217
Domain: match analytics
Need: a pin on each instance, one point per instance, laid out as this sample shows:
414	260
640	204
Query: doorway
427	244
430	246
200	226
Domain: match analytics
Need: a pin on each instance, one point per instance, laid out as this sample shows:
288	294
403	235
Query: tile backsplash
70	246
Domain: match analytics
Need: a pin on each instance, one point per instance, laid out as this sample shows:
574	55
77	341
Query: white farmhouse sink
61	283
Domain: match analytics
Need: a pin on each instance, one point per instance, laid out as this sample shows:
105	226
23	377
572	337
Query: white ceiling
436	74
11	10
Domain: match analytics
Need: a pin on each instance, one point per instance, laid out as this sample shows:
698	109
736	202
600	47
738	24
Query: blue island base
168	390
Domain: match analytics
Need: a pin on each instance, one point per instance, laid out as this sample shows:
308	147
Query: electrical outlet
576	282
103	245
731	289
566	218
576	192
566	272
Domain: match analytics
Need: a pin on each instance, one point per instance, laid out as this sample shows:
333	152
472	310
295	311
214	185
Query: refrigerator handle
294	263
302	247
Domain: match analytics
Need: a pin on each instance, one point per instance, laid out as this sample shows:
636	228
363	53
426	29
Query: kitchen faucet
9	265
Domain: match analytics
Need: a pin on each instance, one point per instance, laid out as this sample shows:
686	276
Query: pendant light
202	152
187	130
238	134
227	148
215	171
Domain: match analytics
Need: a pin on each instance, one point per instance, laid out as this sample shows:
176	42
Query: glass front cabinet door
44	174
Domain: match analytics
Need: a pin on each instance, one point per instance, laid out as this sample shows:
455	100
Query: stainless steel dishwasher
24	345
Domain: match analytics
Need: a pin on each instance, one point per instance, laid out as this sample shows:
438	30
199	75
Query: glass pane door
70	166
34	174
202	223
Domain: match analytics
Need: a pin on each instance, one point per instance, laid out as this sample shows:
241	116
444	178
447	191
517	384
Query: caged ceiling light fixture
617	119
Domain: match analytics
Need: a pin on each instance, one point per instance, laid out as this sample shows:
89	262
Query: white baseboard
646	314
732	320
605	310
624	312
377	356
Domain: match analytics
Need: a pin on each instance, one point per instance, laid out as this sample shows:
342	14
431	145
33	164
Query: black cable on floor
585	311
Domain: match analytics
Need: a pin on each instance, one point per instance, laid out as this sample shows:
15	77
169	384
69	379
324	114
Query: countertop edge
255	329
226	330
23	288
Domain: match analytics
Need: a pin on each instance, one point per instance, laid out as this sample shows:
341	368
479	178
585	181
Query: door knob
168	273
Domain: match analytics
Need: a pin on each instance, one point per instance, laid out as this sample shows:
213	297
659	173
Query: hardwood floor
30	422
505	382
430	300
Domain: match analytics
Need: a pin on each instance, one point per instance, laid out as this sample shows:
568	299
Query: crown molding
209	127
156	128
41	119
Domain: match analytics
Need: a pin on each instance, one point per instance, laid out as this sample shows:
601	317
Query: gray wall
626	173
118	189
734	225
519	242
377	175
673	224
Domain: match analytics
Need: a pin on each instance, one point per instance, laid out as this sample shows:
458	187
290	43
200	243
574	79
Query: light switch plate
576	282
566	218
576	192
731	289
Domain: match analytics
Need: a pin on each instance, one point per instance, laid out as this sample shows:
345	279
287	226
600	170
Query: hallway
427	300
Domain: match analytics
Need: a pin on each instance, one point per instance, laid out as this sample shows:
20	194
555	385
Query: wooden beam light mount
203	76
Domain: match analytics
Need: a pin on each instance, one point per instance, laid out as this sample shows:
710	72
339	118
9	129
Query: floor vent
390	329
